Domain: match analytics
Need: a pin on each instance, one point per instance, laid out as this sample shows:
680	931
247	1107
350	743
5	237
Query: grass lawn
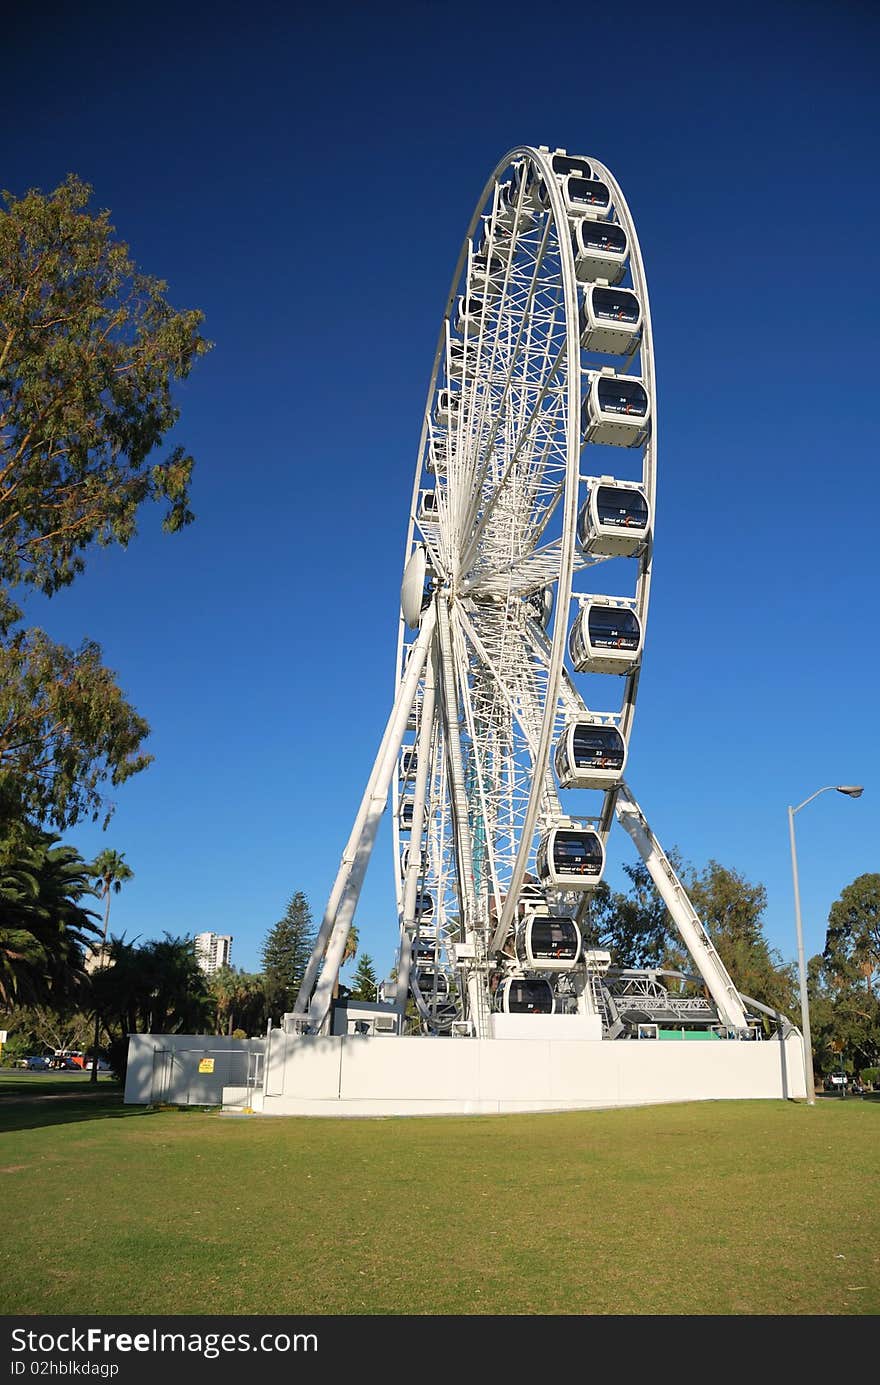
722	1207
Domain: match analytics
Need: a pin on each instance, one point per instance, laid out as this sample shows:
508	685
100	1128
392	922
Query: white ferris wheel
524	608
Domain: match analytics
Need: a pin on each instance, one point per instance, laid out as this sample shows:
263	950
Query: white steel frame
488	685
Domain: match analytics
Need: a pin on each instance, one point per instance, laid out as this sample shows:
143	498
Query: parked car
35	1063
68	1059
102	1066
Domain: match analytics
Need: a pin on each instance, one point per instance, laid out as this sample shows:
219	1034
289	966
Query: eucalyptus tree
89	351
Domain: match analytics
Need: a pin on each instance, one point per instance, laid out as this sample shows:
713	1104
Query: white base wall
546	1027
313	1075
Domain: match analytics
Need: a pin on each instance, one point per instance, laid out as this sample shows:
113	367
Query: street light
851	791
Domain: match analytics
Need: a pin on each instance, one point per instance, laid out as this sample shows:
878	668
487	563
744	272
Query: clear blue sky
305	179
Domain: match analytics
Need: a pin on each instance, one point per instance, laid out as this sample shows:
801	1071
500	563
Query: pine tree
364	979
286	954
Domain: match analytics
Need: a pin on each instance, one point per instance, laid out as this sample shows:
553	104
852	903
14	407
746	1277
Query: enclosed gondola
424	906
513	214
528	182
469	314
435	457
495	239
447	407
407	806
606	637
461	358
539	605
408	761
610	319
525	995
430	982
582	196
424	948
570	858
616	410
545	943
600	250
589	755
428	507
614	520
563	164
487	274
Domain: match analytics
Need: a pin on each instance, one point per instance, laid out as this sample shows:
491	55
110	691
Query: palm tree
349	953
43	926
111	870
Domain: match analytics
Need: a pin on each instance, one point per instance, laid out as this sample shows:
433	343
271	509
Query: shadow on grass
34	1112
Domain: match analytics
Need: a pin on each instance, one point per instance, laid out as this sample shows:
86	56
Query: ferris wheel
524	607
544	361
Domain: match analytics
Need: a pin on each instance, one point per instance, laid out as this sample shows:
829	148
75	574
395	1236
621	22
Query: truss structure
499	559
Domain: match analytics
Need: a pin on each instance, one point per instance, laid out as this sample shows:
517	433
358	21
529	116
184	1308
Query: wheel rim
505	468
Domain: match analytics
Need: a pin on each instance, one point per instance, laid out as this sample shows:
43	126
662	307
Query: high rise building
213	950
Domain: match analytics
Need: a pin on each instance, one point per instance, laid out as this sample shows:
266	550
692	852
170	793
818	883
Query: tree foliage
852	943
732	911
65	729
285	955
156	988
634	926
364	987
89	352
638	930
240	1000
843	982
43	923
112	871
34	1029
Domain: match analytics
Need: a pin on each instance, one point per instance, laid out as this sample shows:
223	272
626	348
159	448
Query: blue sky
306	180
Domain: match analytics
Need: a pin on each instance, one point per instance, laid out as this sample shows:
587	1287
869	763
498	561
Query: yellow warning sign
206	1065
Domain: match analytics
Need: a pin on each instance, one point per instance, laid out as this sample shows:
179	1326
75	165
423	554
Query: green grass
727	1207
21	1083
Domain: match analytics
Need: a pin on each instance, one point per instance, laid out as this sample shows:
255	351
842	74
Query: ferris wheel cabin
600	250
610	319
424	947
429	508
570	858
424	906
525	995
435	457
589	755
461	359
544	943
494	238
404	861
508	216
531	183
469	314
539	605
447	407
616	410
487	273
614	519
583	196
564	164
407	806
605	638
408	763
429	981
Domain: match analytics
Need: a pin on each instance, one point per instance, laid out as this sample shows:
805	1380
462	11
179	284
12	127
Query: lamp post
851	791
